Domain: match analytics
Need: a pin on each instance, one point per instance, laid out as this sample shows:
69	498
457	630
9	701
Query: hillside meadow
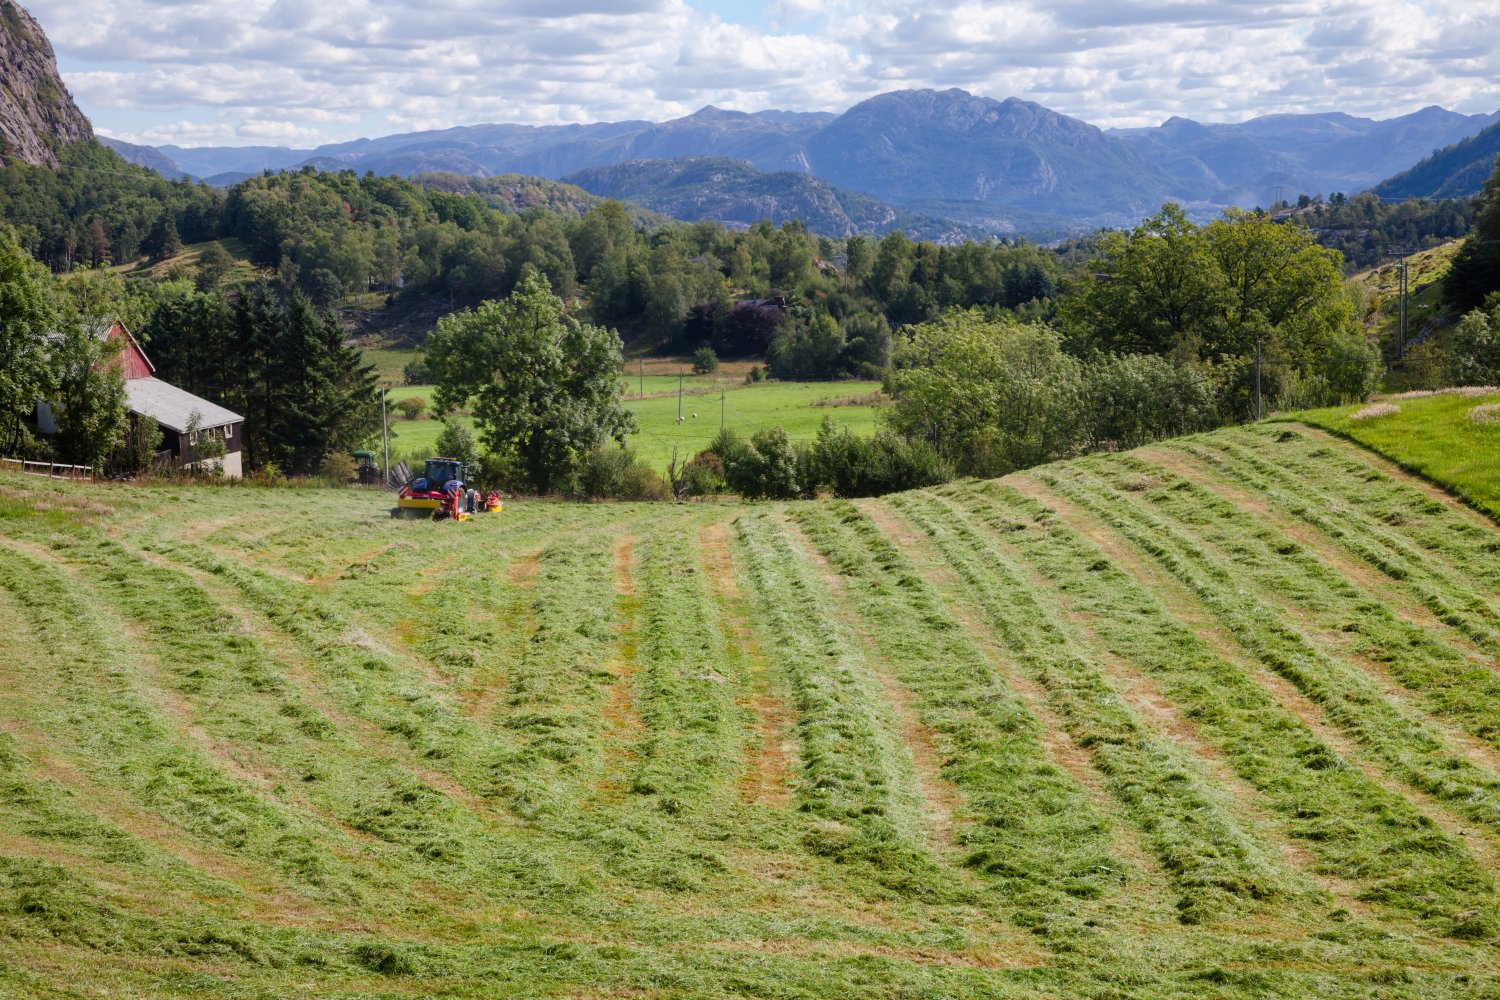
1214	718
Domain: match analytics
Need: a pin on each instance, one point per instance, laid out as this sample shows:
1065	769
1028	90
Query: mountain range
947	156
1457	171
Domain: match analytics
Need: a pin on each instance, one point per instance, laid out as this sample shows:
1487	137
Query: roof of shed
172	407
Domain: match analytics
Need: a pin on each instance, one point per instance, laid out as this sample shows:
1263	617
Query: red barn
137	365
184	419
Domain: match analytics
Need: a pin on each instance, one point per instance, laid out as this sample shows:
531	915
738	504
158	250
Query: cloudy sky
302	72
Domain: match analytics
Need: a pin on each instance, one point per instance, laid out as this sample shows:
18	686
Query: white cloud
305	71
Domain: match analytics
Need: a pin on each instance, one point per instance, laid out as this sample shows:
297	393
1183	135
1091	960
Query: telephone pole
1258	412
679	395
385	436
721	409
1402	288
643	378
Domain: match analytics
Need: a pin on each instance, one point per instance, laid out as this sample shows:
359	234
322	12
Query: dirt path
622	723
771	755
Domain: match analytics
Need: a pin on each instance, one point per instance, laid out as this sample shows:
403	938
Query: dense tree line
1475	273
97	209
52	354
1364	229
997	355
266	352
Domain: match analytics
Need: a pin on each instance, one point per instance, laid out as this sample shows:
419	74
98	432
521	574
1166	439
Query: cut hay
1486	414
1375	410
1461	390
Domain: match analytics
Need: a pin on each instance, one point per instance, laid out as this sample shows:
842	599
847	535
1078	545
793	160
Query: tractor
442	491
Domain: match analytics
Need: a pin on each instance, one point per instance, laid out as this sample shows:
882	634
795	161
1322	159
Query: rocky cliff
37	114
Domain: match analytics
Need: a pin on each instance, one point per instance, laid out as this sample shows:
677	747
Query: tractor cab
442	471
364	464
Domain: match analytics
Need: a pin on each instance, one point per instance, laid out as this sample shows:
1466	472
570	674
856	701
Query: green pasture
797	407
1434	436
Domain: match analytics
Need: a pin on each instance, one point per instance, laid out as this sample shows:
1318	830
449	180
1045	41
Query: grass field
1216	718
797	407
1432	435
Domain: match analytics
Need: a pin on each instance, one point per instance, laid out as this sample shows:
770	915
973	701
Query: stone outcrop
37	114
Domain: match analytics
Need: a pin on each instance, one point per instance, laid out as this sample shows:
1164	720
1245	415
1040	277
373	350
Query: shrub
702	476
756	374
412	408
641	482
1136	398
338	468
853	466
602	471
416	371
1475	346
613	471
766	468
1429	365
457	441
705	361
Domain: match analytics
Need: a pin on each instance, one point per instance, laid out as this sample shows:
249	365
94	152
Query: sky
304	72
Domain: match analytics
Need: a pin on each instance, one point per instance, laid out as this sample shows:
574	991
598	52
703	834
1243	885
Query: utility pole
385	437
722	394
1257	380
1403	289
679	395
643	378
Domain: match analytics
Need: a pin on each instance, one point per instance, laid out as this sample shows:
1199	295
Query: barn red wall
136	365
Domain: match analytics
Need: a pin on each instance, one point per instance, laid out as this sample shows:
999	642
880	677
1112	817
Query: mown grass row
691	749
1447	683
1440	555
1356	830
520	951
856	775
1033	835
1218	868
1394	735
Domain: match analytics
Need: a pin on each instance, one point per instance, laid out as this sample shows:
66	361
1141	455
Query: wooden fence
52	470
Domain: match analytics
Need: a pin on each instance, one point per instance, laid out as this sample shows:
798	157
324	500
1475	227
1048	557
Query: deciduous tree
545	387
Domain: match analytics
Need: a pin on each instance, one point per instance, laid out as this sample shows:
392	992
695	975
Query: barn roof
172	407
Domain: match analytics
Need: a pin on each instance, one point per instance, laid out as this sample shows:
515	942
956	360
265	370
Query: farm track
1217	718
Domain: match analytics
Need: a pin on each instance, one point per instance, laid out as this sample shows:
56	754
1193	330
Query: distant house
173	409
